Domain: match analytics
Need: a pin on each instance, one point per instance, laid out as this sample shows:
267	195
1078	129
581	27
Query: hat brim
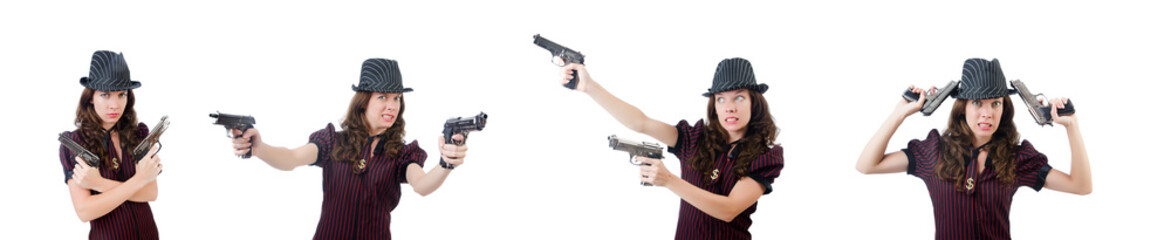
761	88
383	90
110	88
1010	92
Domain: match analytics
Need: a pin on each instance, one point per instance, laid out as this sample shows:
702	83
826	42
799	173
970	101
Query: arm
1078	180
278	157
92	206
147	193
872	159
726	208
426	183
628	115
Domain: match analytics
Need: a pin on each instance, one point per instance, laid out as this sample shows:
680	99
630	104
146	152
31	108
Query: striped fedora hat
982	79
381	75
732	74
108	72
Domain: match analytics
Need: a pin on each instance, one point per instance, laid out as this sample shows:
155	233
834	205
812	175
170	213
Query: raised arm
147	193
1078	180
872	159
278	157
627	114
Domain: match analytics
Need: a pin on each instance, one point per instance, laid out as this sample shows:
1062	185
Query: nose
730	108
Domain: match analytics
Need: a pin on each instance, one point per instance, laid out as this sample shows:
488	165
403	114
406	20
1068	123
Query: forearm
872	155
725	208
627	114
145	194
425	184
280	157
90	207
1079	171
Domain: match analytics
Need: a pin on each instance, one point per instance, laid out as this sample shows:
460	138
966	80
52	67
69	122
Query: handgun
90	158
462	126
644	149
1040	108
143	147
561	56
238	122
933	100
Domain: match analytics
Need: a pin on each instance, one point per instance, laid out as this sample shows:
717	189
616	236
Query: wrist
443	164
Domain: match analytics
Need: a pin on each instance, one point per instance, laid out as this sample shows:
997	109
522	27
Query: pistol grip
1068	110
249	154
910	96
572	81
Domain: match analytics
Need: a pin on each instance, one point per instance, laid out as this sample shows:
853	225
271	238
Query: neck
377	131
980	141
735	136
107	126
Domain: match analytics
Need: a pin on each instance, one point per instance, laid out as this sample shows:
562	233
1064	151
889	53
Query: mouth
731	120
984	126
388	117
112	115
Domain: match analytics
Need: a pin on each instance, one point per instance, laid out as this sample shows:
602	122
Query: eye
398	98
720	100
976	103
104	95
381	97
995	104
740	98
122	94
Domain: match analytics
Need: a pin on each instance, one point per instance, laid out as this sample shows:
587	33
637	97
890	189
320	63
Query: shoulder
142	130
684	125
413	147
1026	151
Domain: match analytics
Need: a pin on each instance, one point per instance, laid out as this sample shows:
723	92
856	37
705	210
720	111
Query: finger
235	132
457	137
154	148
240	152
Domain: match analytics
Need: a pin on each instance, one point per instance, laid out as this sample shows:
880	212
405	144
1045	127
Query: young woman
726	166
974	168
364	164
112	196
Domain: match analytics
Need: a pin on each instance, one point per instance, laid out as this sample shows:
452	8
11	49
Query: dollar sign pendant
115	161
970	184
715	174
362	164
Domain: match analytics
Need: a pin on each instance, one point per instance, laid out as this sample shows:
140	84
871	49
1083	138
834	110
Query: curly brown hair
355	130
760	135
89	126
957	145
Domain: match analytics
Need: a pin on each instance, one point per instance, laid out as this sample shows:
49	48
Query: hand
1057	103
149	167
85	175
583	77
243	144
909	108
655	173
451	153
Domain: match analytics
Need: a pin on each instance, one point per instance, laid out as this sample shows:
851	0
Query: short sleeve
411	154
1032	167
921	154
324	139
142	131
767	167
688	137
66	156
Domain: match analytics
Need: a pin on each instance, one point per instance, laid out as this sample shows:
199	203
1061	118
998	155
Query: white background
541	168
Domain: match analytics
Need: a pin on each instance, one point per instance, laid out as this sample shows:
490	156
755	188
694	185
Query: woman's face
109	106
382	111
734	109
983	116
